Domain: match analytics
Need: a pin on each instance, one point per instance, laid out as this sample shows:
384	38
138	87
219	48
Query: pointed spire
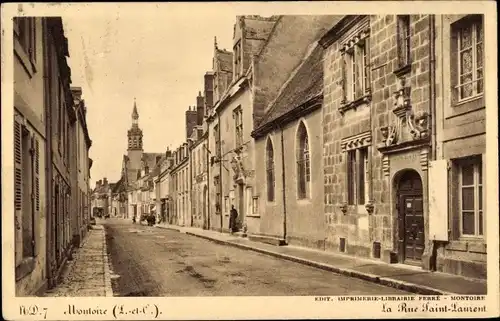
215	42
135	114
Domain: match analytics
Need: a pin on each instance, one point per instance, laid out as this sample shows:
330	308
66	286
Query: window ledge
253	215
402	70
26	266
365	99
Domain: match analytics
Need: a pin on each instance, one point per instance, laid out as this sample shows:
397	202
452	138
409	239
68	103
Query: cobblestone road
149	261
87	274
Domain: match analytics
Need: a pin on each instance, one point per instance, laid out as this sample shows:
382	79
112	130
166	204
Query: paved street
149	261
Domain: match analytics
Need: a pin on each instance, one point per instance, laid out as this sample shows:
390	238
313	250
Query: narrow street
150	261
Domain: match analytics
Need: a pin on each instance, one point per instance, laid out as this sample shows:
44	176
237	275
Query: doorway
206	221
411	237
241	206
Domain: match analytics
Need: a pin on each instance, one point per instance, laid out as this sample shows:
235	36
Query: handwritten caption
118	311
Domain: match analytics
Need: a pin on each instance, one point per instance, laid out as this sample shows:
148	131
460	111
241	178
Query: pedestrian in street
232	219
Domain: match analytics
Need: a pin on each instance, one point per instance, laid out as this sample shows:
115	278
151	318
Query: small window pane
466	37
480	223
480	197
468	175
468	198
468	226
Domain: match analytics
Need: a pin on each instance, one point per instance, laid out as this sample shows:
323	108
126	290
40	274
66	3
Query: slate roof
303	85
225	59
150	158
258	27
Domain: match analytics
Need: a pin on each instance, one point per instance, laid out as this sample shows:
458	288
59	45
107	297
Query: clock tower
134	150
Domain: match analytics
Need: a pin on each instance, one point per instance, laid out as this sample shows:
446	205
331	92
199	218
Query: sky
158	57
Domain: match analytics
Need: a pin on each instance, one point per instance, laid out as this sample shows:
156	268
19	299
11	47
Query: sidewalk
88	274
411	279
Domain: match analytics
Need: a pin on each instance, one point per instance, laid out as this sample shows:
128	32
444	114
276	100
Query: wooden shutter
454	70
18	191
36	218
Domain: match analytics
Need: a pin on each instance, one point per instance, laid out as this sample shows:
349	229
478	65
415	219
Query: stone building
381	149
264	56
181	188
49	210
80	168
288	159
199	168
458	218
162	190
134	165
30	134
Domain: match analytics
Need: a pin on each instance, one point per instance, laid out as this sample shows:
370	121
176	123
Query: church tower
134	150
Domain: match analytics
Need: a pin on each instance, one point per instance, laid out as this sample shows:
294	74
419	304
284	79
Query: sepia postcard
249	160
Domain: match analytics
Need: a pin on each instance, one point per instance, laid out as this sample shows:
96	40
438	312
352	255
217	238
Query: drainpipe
220	172
207	159
283	178
432	107
48	160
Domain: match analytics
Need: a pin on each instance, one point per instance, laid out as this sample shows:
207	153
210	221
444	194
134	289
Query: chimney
200	108
191	119
105	181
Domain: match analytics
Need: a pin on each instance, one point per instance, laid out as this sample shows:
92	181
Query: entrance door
241	205
206	222
411	218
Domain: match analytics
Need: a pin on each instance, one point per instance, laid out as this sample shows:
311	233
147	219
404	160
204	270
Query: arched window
270	170
303	163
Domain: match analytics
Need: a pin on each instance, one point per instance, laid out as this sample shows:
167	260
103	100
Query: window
218	194
237	59
471	197
25	30
26	191
303	163
238	124
355	71
357	176
469	57
255	205
403	40
270	171
217	141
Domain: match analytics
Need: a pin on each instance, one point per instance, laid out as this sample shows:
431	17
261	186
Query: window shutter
344	76
18	195
36	195
18	174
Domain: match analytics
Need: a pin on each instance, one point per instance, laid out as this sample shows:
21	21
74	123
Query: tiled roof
303	85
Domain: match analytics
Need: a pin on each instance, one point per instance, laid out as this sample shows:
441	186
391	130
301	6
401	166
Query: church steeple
135	116
135	133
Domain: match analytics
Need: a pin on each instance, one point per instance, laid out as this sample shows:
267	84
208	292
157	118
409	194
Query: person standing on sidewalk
232	219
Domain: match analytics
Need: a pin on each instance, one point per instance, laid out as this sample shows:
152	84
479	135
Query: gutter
48	161
432	107
220	171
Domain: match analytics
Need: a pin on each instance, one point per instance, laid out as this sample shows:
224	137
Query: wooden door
411	218
411	208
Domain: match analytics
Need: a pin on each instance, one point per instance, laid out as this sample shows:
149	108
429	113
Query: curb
168	228
393	283
108	290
